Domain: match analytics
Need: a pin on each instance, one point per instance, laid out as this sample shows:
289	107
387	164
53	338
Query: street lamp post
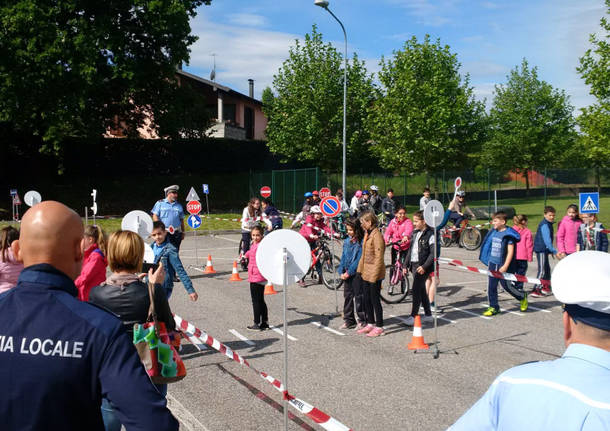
324	4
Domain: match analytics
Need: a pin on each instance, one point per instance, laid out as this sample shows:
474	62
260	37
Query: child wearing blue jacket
543	247
498	253
352	250
166	253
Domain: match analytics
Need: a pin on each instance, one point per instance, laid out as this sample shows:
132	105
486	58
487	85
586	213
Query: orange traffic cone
235	275
269	290
417	342
209	269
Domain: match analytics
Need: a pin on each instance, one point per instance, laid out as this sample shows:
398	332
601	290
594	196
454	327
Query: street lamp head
321	3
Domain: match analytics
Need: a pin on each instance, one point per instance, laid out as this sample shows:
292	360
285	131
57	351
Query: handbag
155	348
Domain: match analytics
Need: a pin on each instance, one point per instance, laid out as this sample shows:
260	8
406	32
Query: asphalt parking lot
367	384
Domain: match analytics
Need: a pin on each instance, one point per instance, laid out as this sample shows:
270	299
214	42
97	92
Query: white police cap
583	279
171	188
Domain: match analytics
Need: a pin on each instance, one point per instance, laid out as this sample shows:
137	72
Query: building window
228	113
249	122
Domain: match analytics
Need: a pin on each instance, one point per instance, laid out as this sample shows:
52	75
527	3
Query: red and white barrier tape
495	274
199	339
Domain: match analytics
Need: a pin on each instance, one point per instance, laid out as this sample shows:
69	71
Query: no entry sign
193	207
330	206
324	192
265	191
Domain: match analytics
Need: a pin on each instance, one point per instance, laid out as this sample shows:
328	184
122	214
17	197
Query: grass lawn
532	207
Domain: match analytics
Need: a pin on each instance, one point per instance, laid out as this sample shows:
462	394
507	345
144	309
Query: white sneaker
410	321
428	319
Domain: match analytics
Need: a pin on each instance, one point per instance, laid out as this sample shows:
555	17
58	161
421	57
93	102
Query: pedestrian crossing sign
589	203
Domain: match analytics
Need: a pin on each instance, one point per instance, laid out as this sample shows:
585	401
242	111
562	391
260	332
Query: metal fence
484	186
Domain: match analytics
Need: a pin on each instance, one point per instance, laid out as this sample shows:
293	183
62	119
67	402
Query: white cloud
248	20
484	69
241	53
429	13
490	5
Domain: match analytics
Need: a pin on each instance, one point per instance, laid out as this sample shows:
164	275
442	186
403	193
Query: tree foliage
305	110
426	116
70	68
531	123
594	121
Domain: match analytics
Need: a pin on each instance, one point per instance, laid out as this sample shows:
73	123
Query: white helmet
374	188
315	210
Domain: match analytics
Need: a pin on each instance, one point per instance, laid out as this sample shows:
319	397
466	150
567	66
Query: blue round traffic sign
330	206
194	221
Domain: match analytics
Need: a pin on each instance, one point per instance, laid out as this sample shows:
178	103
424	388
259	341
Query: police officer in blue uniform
171	213
569	393
59	356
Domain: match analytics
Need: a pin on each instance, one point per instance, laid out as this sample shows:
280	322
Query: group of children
510	249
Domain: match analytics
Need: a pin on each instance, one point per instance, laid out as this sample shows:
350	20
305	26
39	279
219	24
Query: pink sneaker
368	328
376	332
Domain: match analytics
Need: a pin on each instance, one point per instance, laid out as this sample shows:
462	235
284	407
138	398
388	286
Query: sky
251	39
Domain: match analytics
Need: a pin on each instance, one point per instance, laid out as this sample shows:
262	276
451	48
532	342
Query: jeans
492	288
372	302
259	308
245	237
420	297
456	218
111	420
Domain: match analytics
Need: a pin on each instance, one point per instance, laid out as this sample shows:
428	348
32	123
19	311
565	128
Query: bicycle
466	236
396	285
329	262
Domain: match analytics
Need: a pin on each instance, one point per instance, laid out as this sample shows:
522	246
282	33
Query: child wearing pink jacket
567	232
257	283
399	230
524	249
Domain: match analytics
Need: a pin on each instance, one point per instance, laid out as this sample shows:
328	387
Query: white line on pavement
279	331
227	239
403	320
544	310
185	417
319	325
470	312
518	313
507	295
241	337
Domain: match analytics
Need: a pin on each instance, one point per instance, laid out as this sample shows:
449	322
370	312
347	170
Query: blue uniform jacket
350	257
170	213
569	393
168	255
509	233
59	356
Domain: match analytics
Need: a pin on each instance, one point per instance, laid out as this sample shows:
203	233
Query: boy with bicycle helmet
375	199
307	204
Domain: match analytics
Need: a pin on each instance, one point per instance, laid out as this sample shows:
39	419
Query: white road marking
279	331
538	309
185	417
518	313
319	325
241	337
227	239
504	294
403	320
469	312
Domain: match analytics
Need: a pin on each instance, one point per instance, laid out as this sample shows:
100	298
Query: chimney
251	88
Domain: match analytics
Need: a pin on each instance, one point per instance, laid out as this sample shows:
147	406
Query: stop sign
193	207
265	191
324	192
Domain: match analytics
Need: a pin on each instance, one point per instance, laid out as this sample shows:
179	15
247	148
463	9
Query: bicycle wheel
470	239
394	289
330	276
242	256
445	237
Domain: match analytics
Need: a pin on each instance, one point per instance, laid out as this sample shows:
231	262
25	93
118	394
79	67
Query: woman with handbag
124	294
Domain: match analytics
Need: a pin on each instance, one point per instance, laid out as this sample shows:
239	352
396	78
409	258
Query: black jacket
128	298
425	250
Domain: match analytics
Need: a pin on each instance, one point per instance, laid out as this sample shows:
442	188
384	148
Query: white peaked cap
583	279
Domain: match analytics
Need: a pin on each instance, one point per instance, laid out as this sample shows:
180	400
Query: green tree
72	68
594	121
305	110
426	117
532	124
